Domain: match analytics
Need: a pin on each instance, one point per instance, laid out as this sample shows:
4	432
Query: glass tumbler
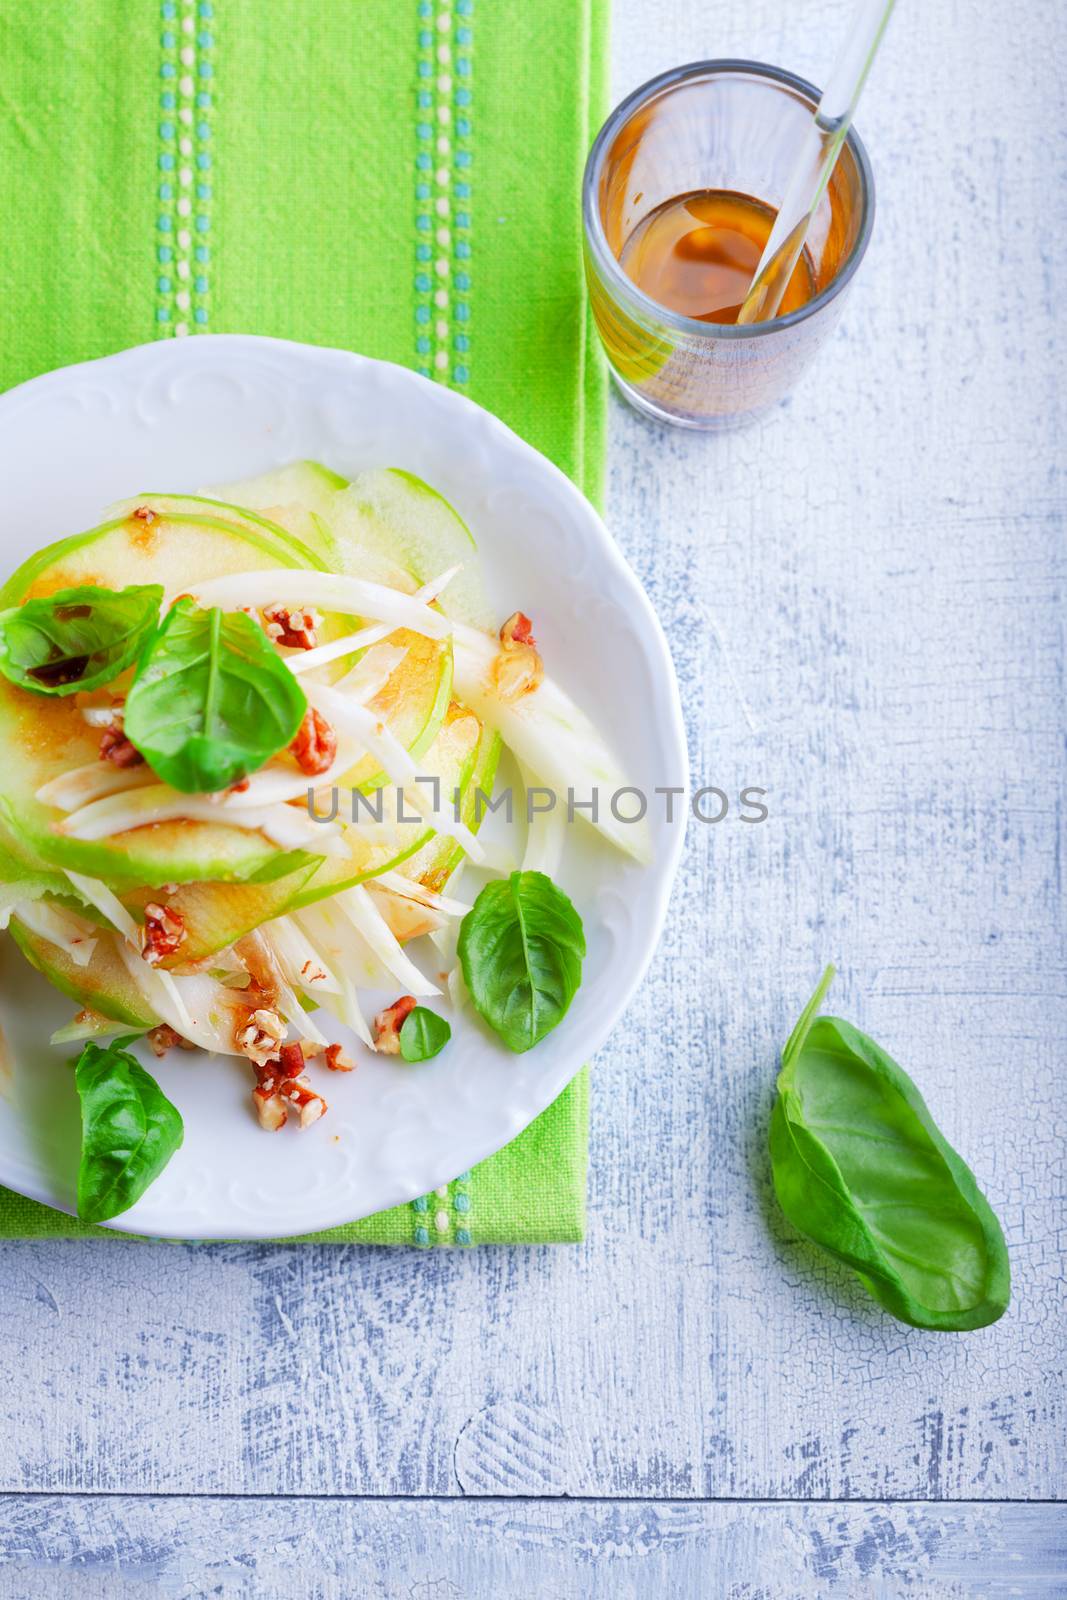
733	125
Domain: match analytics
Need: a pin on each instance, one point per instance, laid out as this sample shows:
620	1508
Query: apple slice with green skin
47	736
104	986
297	497
434	863
171	549
308	545
379	523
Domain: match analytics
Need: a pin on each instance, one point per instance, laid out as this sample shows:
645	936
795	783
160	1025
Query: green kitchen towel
396	177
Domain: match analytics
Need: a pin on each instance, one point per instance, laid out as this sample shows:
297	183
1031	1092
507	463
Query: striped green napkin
397	177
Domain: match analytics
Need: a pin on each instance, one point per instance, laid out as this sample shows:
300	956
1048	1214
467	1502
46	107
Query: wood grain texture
123	1549
864	598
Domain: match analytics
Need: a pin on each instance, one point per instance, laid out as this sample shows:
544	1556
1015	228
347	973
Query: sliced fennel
363	638
283	825
368	921
297	586
343	953
98	895
298	958
545	832
84	784
396	762
196	1006
61	927
547	733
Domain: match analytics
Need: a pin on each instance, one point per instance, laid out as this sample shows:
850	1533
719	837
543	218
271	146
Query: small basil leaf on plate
130	1130
423	1034
76	638
521	947
861	1168
212	700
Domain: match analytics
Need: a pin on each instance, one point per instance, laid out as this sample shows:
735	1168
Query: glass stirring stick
815	167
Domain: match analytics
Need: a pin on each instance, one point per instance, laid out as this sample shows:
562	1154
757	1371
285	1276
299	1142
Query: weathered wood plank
864	598
115	1548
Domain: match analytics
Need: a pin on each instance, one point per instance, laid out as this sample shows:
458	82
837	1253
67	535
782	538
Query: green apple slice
378	523
45	737
104	986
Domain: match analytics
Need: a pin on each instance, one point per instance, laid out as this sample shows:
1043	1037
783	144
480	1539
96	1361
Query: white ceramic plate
182	414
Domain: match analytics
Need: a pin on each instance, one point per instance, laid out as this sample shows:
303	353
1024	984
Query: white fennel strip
283	825
368	921
338	957
446	938
298	957
275	785
409	889
371	673
195	1006
60	927
97	894
288	1004
332	591
545	830
395	760
83	784
88	1024
547	732
363	638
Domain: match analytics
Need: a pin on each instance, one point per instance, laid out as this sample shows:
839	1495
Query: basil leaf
130	1130
860	1167
76	638
423	1034
212	700
521	948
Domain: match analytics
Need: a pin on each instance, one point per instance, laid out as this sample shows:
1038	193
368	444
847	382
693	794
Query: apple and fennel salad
186	691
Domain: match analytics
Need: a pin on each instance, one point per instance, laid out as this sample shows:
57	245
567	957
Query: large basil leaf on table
861	1168
212	700
78	638
130	1130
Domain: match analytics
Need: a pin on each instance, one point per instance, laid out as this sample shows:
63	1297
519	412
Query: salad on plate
251	736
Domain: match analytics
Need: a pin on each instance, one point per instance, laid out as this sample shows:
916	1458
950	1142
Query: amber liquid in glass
697	254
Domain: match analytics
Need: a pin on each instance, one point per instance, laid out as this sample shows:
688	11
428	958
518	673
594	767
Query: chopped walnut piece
240	787
300	1094
291	1059
116	748
270	1022
338	1060
388	1023
517	630
517	672
292	626
162	934
164	1038
270	1109
518	669
315	745
280	1083
260	1036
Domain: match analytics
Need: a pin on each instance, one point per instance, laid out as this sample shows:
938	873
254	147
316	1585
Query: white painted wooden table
862	596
